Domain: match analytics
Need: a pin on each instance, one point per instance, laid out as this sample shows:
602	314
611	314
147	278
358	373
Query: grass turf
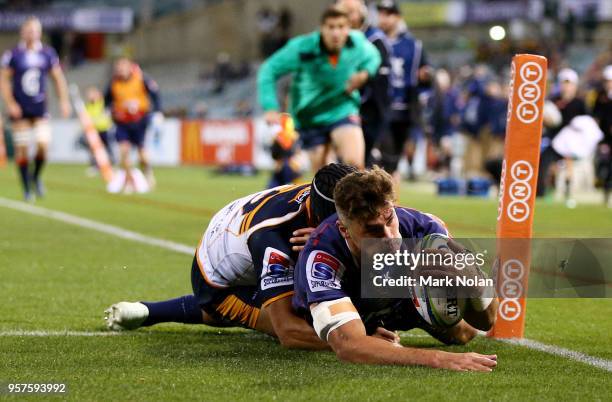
60	277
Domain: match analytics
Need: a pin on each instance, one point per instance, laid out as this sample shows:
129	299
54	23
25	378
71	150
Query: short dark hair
333	11
361	195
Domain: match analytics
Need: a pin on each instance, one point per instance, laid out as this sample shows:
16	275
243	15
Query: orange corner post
518	191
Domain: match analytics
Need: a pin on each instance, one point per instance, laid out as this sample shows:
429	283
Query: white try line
181	248
21	333
97	226
559	351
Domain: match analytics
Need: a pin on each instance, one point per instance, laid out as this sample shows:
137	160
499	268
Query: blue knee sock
22	164
39	163
183	309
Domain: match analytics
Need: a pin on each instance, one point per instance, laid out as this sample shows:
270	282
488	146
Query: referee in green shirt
328	67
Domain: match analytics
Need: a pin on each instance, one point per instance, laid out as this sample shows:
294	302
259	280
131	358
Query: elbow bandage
329	315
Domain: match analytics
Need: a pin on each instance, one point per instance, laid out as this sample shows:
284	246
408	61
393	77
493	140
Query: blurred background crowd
204	55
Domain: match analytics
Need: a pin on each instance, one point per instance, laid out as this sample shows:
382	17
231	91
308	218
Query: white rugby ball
437	311
436	241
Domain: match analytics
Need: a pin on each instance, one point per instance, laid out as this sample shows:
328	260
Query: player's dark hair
361	195
322	189
333	11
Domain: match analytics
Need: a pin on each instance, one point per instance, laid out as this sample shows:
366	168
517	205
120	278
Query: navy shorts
134	132
233	306
311	137
32	111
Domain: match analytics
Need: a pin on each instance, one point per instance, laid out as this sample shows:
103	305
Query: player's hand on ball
387	335
14	110
300	237
467	362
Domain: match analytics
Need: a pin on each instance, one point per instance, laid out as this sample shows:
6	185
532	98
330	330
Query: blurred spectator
473	121
267	21
569	28
77	50
285	21
602	112
495	110
589	23
570	105
375	97
409	67
550	17
200	110
443	117
243	108
576	143
222	73
567	100
100	117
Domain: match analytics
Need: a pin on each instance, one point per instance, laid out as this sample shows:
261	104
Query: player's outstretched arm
293	332
338	322
351	344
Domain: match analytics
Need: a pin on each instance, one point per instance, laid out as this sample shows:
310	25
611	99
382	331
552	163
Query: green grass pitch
58	277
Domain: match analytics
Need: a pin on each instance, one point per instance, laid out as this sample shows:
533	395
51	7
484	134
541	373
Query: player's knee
21	139
22	160
42	133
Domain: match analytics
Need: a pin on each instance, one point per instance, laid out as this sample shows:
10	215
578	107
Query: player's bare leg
264	322
318	156
145	166
21	138
42	133
124	162
133	315
349	145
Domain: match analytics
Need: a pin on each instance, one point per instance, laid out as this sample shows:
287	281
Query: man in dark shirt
375	95
570	105
602	112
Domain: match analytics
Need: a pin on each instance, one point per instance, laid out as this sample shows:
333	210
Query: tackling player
328	67
23	78
327	281
242	274
132	97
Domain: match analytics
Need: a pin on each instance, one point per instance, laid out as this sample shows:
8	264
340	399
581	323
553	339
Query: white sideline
97	226
559	351
181	248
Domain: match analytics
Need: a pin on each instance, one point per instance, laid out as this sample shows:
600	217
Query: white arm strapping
323	320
